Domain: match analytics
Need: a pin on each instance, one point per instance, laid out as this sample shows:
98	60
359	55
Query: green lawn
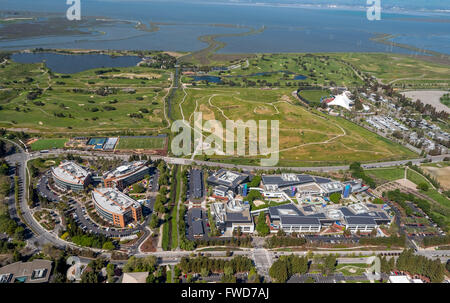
43	144
436	196
388	174
416	178
313	96
141	143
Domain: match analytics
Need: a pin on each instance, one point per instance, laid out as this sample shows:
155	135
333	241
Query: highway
183	161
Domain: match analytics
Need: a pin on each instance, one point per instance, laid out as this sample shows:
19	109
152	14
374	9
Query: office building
116	207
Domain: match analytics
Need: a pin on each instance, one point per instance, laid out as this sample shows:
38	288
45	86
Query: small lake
211	79
300	77
70	64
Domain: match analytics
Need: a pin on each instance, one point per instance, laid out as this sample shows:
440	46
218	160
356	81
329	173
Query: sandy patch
286	98
262	110
137	76
258	203
441	174
208	114
407	183
428	97
174	54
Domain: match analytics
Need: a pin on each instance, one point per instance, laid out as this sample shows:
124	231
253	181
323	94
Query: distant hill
418	5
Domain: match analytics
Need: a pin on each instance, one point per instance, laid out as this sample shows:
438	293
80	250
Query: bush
335	197
423	186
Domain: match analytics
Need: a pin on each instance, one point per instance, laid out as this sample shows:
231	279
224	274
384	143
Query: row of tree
286	266
236	265
398	241
284	241
421	265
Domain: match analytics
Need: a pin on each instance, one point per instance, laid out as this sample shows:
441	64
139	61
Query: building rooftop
227	178
71	172
332	186
37	271
222	188
399	279
286	180
113	200
197	228
135	277
197	181
240	217
360	220
196	213
298	220
284	210
125	170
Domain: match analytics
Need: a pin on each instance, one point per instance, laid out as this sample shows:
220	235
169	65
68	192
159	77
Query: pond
211	79
70	64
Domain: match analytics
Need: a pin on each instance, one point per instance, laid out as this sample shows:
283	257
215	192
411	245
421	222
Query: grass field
75	104
416	178
141	143
387	174
284	69
43	144
306	137
314	96
401	71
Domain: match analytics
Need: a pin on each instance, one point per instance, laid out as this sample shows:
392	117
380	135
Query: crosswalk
263	261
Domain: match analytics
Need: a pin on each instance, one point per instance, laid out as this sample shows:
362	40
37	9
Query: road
183	161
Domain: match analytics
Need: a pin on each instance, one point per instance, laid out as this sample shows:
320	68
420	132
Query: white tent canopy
342	100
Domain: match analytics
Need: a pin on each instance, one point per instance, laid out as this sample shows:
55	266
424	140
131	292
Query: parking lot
319	278
44	190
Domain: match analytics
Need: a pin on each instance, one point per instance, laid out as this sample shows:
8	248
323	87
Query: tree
110	272
373	233
150	278
253	276
279	271
89	276
262	228
423	186
204	272
329	264
254	195
17	256
154	221
228	271
108	245
255	181
335	197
